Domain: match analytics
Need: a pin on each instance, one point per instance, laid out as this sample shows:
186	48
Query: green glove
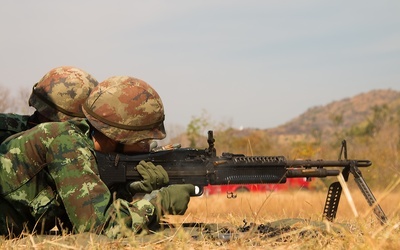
173	199
154	177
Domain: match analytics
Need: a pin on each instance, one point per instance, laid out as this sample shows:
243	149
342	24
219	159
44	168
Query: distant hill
335	117
340	114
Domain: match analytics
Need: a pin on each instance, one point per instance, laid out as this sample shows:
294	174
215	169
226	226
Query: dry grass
363	232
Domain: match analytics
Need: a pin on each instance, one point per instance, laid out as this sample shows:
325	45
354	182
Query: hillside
342	114
357	114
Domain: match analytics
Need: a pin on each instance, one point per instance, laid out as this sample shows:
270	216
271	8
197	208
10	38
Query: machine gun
202	167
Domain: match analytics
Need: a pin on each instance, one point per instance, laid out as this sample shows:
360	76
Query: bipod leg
332	201
366	191
335	189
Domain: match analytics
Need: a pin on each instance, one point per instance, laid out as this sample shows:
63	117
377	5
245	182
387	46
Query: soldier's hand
173	199
154	177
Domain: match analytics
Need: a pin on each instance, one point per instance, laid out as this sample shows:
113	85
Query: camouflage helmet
60	93
126	109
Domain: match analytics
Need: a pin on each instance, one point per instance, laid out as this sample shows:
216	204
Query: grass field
352	229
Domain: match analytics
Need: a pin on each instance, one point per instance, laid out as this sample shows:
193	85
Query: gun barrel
322	163
311	172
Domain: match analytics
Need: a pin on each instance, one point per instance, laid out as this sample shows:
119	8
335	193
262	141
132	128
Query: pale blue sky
246	63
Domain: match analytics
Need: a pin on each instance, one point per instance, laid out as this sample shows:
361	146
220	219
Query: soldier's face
106	145
139	147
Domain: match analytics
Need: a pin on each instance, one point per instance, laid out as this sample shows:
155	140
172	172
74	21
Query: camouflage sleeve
11	123
87	200
73	168
126	217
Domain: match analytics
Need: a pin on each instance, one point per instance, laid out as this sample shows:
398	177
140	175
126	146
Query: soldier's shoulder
13	122
78	123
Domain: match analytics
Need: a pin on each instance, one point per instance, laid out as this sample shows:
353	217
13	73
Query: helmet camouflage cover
126	109
60	93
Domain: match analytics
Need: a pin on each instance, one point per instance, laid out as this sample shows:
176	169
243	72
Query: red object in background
292	183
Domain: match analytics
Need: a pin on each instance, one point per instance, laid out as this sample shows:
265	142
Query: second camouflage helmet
60	93
126	109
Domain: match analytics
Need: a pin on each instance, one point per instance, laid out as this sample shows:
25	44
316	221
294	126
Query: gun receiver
202	167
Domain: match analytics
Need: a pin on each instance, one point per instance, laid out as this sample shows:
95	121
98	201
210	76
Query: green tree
196	127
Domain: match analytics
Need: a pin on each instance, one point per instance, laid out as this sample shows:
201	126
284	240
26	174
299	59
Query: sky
246	64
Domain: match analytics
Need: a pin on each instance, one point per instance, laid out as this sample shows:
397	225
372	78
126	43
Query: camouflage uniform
50	173
11	124
58	96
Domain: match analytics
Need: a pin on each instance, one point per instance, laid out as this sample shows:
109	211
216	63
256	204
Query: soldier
49	174
58	96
